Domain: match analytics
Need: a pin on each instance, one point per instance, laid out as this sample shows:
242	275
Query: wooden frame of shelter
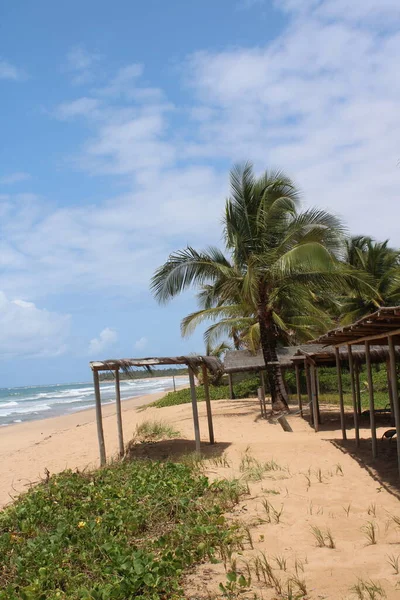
193	363
331	356
383	328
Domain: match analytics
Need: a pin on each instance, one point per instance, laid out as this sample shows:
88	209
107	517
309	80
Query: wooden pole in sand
99	419
357	369
353	393
395	392
119	415
390	393
314	398
231	392
309	394
371	400
317	393
340	390
298	388
194	410
208	403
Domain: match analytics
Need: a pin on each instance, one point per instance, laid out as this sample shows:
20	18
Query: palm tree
276	256
381	266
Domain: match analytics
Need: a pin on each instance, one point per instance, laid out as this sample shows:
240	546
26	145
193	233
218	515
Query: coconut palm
275	255
379	263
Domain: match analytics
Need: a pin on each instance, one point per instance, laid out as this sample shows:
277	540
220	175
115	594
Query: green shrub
125	531
243	389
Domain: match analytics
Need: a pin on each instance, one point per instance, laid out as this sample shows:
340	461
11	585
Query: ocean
31	403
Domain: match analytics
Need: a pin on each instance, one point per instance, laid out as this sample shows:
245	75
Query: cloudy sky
119	123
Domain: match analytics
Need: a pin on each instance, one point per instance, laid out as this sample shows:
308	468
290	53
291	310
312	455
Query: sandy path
319	485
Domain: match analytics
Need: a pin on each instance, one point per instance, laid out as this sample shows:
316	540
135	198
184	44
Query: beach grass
128	530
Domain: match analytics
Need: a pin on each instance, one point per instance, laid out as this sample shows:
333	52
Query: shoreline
58	443
53	413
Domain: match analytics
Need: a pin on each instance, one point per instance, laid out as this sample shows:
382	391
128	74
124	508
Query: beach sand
321	483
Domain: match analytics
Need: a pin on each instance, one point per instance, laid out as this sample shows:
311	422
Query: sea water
30	403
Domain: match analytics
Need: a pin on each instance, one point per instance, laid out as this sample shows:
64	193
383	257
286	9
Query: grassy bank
126	531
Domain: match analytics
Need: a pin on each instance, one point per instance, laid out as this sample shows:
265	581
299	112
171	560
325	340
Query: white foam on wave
24	410
8	404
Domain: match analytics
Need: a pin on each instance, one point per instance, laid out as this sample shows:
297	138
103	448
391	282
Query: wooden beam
340	390
231	392
99	419
298	389
395	392
353	393
371	401
357	369
194	410
208	404
262	379
362	339
390	392
314	398
119	415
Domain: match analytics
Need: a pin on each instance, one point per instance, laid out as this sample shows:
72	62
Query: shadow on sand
173	449
383	469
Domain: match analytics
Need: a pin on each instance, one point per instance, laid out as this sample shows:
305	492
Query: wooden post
173	382
395	392
194	410
390	393
357	369
231	392
208	404
99	419
317	393
353	393
314	398
298	388
309	394
260	398
262	381
371	400
340	389
119	415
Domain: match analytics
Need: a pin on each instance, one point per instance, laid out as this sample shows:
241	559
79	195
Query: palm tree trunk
279	398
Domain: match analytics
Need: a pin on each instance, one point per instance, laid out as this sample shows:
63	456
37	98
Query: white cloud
14	178
124	82
26	330
82	107
9	71
326	112
321	101
80	63
105	340
141	343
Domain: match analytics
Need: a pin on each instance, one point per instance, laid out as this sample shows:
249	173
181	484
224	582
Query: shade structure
194	363
381	327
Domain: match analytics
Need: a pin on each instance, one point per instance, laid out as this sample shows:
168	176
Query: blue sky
119	123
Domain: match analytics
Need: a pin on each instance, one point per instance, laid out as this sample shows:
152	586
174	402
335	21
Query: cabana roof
212	363
326	356
240	361
376	326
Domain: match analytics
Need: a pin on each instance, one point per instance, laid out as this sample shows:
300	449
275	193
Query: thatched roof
243	360
124	364
376	326
326	356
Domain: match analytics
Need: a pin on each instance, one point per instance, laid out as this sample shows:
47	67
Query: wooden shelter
383	328
194	363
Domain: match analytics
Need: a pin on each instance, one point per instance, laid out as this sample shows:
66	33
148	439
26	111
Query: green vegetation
279	269
153	431
126	531
244	389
